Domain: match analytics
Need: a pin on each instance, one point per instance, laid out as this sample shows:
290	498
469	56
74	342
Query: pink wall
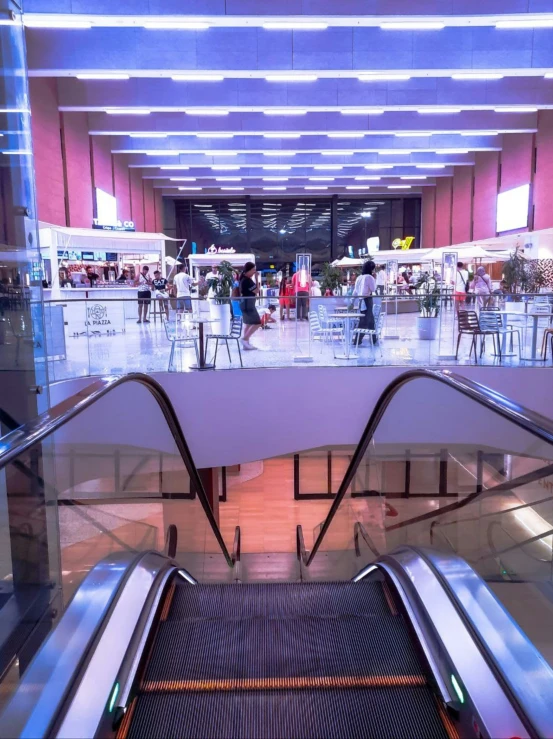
486	180
121	186
516	160
158	202
149	206
443	211
137	198
45	125
543	178
428	217
102	175
78	173
461	213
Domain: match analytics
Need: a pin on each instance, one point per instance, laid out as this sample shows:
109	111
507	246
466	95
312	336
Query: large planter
220	315
427	328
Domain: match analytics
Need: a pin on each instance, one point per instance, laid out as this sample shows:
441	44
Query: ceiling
323	98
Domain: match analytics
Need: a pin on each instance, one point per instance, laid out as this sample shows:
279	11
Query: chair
234	335
178	334
491	321
547	334
379	317
325	322
469	324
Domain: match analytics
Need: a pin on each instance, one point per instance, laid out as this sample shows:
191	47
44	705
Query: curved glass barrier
96	486
443	470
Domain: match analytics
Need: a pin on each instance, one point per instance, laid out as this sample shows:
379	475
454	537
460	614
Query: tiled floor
145	348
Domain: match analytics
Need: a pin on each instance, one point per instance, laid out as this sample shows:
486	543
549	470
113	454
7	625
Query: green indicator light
456	688
114	694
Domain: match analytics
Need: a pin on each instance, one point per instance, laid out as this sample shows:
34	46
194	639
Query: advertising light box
512	209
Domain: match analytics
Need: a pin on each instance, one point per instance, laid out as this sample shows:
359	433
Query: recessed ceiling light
276	166
127	111
430	166
190	188
356	187
476	76
338	153
439	111
197	77
207	111
414	177
284	111
393	152
412	26
379	166
315	187
399	187
183	179
275	187
515	110
334	167
292	78
287	26
453	151
479	133
149	135
232	188
383	77
548	76
219	153
175	166
538	23
362	111
228	179
214	135
19	152
275	179
344	135
368	177
409	134
162	153
225	166
281	135
279	153
321	179
103	76
176	25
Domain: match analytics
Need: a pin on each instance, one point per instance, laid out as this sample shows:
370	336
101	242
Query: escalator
171	643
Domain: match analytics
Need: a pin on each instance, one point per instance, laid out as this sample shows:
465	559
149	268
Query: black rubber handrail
17	442
534	423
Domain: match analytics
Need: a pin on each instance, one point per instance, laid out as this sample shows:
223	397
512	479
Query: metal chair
547	334
491	321
469	324
234	335
379	316
177	333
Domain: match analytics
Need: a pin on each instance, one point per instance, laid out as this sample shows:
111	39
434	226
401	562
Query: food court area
422	313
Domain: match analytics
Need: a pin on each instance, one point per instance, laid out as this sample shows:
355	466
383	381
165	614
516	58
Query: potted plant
331	278
220	288
428	297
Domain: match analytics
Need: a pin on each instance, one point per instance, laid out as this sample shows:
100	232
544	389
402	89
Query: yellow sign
404	244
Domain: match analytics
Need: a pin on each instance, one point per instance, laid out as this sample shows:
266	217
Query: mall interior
276	329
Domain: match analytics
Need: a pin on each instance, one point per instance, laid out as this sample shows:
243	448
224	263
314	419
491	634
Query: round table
202	364
347	318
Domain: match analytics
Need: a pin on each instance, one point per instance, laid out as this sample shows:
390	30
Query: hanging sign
221	249
404	244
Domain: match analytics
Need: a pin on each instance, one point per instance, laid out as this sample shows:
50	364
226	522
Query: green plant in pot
428	297
331	278
219	307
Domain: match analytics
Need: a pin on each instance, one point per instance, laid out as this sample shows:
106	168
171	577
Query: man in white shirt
381	280
212	275
183	282
461	282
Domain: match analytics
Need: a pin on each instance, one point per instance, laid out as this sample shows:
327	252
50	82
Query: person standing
183	283
482	287
144	283
250	316
461	284
301	283
365	286
381	280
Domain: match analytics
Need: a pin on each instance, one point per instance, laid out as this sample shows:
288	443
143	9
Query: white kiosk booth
67	252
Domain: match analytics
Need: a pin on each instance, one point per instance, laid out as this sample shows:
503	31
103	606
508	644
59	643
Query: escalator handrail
533	422
517	544
17	442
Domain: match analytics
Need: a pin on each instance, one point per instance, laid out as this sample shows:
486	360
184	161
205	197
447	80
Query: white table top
200	320
522	313
345	315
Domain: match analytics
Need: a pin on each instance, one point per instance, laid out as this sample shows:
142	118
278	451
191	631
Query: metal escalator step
278	600
379	713
256	648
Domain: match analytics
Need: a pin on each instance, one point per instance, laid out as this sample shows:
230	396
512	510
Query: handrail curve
533	422
16	442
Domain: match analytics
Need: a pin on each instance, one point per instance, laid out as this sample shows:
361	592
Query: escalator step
278	600
294	647
383	713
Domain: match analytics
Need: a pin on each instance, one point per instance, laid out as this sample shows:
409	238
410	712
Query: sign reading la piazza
221	250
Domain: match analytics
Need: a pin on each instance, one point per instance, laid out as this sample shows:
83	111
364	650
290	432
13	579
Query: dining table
347	319
535	316
202	359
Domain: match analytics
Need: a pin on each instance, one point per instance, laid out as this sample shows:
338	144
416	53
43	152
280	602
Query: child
267	317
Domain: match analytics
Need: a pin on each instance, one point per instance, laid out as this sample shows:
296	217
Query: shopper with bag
482	288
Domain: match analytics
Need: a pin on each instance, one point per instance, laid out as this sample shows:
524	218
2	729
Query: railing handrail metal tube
533	422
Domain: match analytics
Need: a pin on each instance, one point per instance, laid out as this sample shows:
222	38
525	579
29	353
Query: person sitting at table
161	294
365	286
123	277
